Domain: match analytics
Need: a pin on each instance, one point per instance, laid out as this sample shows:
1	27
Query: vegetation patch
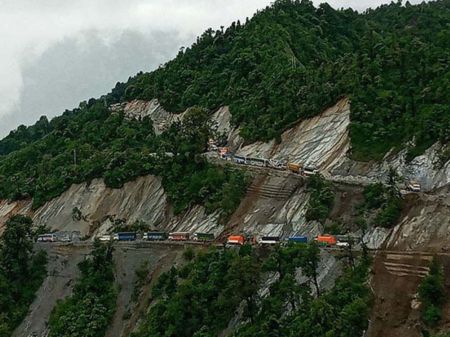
21	272
383	201
432	294
90	309
321	198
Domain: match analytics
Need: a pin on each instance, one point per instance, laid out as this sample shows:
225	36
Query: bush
89	310
432	294
321	198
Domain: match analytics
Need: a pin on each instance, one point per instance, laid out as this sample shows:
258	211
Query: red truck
236	240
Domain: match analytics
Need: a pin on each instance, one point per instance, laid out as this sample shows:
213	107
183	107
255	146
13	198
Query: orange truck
236	240
326	240
295	168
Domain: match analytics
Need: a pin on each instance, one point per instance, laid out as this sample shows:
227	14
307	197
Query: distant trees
21	272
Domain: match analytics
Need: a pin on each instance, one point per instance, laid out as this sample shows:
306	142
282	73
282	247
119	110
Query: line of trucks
298	168
305	170
232	240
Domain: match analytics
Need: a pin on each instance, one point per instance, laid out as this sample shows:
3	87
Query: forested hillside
202	297
289	62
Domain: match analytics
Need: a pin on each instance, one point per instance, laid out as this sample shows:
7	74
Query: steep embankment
63	272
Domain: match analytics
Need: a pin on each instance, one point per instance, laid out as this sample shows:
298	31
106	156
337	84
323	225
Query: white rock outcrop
320	141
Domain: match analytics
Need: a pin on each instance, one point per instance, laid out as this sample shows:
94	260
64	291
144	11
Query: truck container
179	236
309	171
155	236
240	160
125	236
203	237
298	239
277	165
258	162
295	168
269	240
326	240
236	240
47	238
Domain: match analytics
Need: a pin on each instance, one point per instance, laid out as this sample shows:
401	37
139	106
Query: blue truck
298	239
125	236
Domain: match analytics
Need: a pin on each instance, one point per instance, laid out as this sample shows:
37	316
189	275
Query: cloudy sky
56	53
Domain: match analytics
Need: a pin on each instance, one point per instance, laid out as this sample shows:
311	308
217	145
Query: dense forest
289	62
202	297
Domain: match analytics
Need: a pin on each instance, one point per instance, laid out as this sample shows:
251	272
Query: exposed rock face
138	109
10	208
426	224
319	141
141	200
423	169
222	120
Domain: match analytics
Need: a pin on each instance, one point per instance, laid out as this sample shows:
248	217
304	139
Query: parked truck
179	236
155	236
298	239
125	236
295	168
326	240
269	240
204	237
47	238
236	240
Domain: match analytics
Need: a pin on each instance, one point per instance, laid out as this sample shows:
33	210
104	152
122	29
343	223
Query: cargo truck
47	238
179	236
155	236
205	237
298	239
326	240
295	168
236	240
269	240
125	236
